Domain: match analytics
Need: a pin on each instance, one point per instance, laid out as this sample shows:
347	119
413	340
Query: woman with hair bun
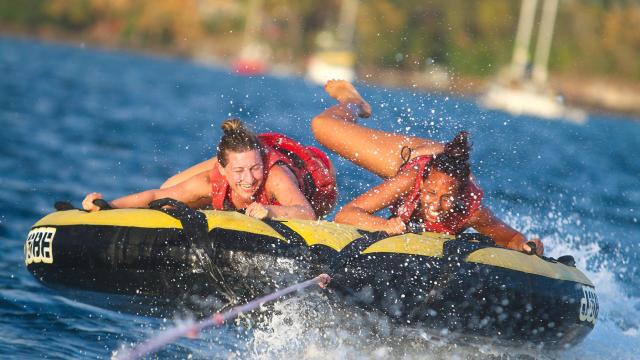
428	185
266	175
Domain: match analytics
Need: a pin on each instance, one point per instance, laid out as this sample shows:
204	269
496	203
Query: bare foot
345	93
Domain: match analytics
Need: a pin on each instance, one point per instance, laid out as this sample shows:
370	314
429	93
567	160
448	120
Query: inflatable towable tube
466	284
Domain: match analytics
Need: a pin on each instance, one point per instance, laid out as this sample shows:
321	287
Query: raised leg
377	151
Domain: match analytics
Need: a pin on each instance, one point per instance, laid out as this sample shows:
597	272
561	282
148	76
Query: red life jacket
310	165
454	223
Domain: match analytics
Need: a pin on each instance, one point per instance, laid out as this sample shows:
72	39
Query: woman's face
244	173
438	195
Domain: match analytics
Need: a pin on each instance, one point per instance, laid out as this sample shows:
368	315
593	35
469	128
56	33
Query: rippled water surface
77	120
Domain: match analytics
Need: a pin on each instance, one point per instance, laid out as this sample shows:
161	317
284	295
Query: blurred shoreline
595	94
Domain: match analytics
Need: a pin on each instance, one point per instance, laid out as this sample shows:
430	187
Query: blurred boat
524	90
331	64
526	99
253	60
335	58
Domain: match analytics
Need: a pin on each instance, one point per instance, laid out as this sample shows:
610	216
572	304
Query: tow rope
192	329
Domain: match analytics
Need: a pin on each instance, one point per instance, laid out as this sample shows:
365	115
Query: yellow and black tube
463	284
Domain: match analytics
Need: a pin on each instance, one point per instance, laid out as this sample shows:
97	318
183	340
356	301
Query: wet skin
437	195
245	174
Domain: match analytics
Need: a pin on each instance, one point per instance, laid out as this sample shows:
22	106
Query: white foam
617	331
314	327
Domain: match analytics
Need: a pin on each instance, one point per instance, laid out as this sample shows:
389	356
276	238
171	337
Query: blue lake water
76	120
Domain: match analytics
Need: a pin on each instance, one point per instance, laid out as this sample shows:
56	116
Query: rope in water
192	329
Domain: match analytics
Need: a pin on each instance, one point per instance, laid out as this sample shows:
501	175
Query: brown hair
454	160
236	138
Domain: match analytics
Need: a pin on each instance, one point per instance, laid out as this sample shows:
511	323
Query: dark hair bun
459	147
454	160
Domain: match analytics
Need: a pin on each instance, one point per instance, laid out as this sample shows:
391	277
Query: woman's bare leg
377	151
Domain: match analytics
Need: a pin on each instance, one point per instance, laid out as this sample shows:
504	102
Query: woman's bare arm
204	166
360	211
194	192
282	185
485	222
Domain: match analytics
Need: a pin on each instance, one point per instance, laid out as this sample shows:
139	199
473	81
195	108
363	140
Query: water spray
192	329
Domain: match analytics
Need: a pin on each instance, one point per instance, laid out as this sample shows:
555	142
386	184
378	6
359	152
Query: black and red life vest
453	223
311	167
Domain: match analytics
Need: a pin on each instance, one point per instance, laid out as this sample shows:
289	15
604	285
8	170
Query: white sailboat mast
347	23
523	39
543	45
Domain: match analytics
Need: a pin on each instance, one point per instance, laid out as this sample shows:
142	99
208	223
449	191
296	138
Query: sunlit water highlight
77	120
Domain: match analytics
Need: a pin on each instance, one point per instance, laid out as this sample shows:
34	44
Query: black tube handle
477	238
567	260
102	204
415	228
63	206
533	247
160	203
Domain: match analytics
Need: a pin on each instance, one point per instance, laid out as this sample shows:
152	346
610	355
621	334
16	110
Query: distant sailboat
525	92
335	58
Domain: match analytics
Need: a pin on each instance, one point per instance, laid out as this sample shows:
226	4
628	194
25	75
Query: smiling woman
267	175
428	186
